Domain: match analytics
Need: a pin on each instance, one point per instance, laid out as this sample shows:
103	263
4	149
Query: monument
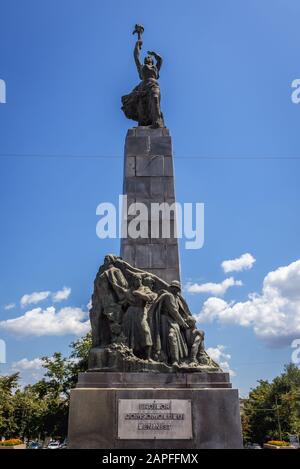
150	382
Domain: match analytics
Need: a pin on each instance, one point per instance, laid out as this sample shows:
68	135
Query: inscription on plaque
147	419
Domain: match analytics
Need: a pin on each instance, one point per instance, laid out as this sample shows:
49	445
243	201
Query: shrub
11	442
278	443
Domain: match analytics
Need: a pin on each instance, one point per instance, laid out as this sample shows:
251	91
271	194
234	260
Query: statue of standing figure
145	320
143	103
136	327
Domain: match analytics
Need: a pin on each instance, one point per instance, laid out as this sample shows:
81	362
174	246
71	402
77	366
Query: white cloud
30	370
245	262
61	295
9	306
274	314
34	298
39	322
25	364
218	355
37	297
218	289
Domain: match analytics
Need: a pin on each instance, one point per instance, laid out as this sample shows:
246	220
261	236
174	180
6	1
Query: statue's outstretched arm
136	54
158	59
160	284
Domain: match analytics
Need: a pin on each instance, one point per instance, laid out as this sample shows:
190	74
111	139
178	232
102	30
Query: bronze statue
143	103
141	323
136	327
110	288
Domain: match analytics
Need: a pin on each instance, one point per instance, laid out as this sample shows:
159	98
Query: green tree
41	409
273	409
8	426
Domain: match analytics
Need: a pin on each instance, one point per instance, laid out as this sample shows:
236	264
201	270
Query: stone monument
150	382
148	172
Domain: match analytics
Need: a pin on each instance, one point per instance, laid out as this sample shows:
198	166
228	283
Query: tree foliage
273	409
41	409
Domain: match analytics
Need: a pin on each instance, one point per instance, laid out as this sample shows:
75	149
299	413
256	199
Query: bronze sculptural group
140	317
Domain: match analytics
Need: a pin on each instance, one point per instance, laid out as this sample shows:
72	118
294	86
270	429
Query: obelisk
149	179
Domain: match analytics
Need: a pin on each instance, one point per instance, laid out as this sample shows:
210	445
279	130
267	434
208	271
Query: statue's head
148	60
136	281
109	259
148	282
175	287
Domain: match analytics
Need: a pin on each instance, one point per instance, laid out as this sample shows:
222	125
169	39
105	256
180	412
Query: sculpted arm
136	54
158	59
159	283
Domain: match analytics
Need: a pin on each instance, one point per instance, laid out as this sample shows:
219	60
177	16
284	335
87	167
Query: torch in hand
139	29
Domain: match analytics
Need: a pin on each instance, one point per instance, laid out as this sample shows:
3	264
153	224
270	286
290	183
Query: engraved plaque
148	419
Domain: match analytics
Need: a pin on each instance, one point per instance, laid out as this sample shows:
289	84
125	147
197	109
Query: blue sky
226	96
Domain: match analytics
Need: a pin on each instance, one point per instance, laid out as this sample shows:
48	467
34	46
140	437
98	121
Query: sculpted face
175	290
148	60
137	282
108	260
148	282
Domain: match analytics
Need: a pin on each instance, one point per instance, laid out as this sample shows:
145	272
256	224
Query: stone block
172	256
169	187
158	187
142	187
216	424
128	253
130	166
168	166
158	258
137	146
148	132
161	146
115	379
150	166
142	258
137	186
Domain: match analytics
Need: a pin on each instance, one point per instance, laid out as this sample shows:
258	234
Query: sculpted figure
169	324
109	296
135	321
143	103
141	322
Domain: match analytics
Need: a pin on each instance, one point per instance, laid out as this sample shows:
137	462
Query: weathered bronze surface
141	323
143	103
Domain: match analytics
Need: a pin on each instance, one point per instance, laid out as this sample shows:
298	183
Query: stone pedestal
149	178
212	418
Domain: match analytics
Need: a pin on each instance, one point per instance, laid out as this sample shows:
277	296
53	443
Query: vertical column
149	178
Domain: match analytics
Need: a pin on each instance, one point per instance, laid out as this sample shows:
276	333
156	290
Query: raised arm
158	59
129	269
136	54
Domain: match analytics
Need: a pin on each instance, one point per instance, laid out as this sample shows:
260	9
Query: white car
54	445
